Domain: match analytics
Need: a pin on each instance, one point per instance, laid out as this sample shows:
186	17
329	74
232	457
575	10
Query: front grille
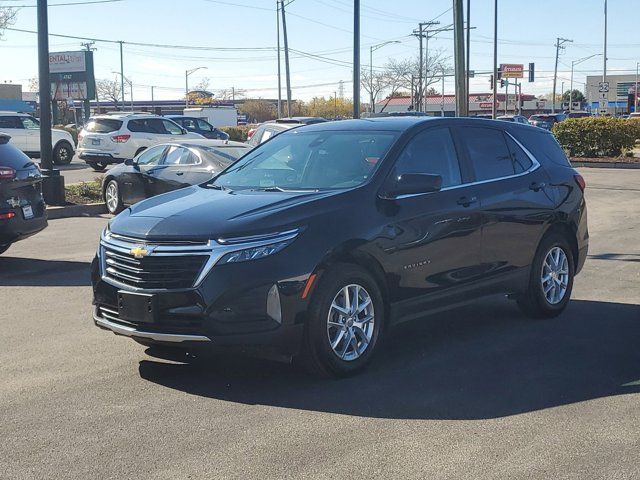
164	325
155	272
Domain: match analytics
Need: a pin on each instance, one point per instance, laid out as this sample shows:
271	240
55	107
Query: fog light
273	304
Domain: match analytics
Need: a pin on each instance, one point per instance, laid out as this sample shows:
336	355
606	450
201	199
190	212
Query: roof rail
128	113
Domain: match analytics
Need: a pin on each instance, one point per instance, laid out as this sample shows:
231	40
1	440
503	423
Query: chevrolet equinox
316	242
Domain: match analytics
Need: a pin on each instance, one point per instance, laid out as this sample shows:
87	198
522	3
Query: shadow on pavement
31	272
485	361
624	257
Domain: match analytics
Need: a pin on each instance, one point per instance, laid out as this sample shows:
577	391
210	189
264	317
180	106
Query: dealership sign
71	75
67	62
511	70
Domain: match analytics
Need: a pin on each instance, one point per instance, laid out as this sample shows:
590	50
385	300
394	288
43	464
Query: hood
198	213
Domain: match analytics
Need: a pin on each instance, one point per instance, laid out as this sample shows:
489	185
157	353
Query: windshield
299	160
102	125
542	118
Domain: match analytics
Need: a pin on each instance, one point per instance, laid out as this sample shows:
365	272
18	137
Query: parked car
633	115
318	240
579	114
166	167
198	125
546	121
265	131
107	139
22	208
514	118
24	131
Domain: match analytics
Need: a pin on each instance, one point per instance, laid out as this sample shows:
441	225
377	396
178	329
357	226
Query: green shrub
72	131
596	136
237	134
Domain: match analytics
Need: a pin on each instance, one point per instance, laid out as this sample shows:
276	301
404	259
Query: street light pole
279	73
635	96
459	59
494	106
356	58
573	64
121	74
52	182
372	49
186	84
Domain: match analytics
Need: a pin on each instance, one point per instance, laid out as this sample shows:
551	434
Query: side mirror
414	183
184	131
129	161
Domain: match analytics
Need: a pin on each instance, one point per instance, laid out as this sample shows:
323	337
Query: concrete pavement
480	392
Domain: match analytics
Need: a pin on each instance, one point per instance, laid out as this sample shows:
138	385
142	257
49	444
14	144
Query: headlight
254	253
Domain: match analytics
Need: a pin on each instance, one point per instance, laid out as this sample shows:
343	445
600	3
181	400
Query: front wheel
62	154
112	198
550	280
345	323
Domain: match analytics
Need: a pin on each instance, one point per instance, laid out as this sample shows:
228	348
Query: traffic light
501	83
532	68
491	82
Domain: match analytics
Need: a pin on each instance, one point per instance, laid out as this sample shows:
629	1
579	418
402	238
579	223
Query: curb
68	211
630	166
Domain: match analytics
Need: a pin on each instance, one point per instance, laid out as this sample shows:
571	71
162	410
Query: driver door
138	182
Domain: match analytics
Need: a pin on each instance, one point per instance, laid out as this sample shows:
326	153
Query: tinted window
173	156
151	156
188	123
103	125
543	146
521	161
431	151
171	128
30	123
488	152
138	126
204	125
223	155
10	122
310	160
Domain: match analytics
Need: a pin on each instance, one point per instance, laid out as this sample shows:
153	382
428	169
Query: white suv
24	131
115	138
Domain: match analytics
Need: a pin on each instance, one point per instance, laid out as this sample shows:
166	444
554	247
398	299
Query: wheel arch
566	230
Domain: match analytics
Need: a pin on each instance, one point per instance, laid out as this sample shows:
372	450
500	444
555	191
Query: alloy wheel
555	275
350	322
111	196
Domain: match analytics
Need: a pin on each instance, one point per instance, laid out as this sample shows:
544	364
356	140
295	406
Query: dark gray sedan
166	167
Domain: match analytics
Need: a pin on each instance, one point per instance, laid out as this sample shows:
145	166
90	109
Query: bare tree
109	90
231	93
7	17
374	84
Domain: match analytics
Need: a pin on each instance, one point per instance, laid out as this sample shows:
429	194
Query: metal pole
372	108
153	105
46	154
635	96
131	90
335	104
419	86
506	96
468	67
122	73
286	58
186	89
571	88
562	93
279	74
604	67
442	103
458	36
555	77
356	58
494	107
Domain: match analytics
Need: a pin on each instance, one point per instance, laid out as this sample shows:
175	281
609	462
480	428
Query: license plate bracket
95	141
27	211
137	307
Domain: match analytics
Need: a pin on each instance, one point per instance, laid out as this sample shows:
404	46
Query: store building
616	99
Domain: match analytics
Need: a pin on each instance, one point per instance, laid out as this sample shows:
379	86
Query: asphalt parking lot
78	171
480	392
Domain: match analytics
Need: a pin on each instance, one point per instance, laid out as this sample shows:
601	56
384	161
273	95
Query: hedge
237	134
597	136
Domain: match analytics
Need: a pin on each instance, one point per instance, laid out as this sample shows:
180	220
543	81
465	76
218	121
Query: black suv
321	238
198	125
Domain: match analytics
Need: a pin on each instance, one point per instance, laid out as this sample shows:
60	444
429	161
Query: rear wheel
62	154
112	198
4	248
345	324
551	279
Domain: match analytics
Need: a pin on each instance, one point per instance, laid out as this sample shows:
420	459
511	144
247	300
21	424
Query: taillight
7	216
120	138
7	173
580	181
80	137
250	133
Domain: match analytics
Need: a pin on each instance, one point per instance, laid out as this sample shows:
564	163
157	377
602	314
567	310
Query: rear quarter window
542	145
103	125
11	157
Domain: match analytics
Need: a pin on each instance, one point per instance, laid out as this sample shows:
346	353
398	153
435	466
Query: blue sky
527	32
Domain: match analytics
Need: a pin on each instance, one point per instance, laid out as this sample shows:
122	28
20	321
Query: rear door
174	171
138	182
432	242
513	196
11	125
32	133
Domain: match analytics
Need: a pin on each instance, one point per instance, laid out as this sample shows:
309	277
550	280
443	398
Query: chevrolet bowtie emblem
139	252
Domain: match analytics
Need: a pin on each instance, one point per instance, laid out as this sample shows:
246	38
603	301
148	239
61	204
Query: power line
68	4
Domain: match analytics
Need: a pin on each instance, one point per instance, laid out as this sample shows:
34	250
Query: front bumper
228	308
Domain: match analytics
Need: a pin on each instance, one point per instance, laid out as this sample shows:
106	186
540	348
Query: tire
98	166
112	197
4	248
62	153
325	323
546	276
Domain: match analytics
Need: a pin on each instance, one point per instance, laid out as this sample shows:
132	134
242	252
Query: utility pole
558	45
442	101
356	58
494	106
506	96
460	78
604	67
52	182
635	96
121	73
279	74
87	104
468	48
153	103
335	104
286	58
423	32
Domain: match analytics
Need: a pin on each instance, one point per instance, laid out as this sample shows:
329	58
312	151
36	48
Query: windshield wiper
217	187
280	189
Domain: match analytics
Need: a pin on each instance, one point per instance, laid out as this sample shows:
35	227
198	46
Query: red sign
485	105
512	70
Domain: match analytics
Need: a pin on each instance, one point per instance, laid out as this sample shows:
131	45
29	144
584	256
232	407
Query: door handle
179	173
537	186
466	201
